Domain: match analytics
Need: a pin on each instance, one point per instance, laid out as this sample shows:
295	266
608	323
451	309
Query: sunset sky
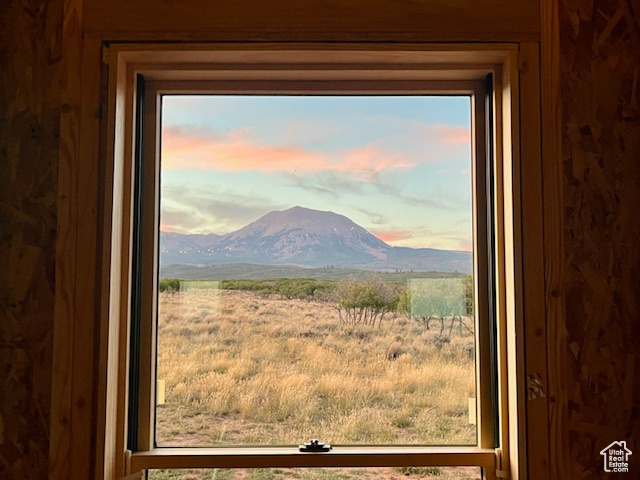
398	166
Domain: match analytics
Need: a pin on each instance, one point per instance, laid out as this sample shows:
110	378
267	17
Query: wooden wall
314	20
600	89
600	86
30	55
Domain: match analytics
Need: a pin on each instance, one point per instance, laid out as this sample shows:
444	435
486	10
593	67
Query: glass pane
315	271
390	473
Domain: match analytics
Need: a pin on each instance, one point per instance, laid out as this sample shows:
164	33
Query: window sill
282	457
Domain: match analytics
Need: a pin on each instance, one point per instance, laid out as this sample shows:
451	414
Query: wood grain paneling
600	86
62	398
30	54
315	20
552	184
74	401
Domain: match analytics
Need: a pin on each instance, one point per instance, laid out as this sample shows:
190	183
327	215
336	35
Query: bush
289	288
169	285
364	302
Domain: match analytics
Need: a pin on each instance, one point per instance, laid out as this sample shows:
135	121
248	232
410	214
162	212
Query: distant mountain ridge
307	238
172	242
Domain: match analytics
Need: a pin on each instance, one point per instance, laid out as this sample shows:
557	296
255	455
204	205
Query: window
316	270
142	79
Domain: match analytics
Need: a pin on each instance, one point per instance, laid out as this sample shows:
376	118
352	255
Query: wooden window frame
318	68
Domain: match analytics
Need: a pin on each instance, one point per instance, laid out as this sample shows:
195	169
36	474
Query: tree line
366	301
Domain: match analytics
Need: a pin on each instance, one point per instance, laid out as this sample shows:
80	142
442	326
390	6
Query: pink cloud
448	134
238	152
466	247
170	228
421	239
391	236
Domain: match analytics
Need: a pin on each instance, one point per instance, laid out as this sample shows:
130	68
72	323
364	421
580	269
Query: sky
399	166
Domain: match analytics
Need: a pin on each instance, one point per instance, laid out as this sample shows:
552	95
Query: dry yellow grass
245	369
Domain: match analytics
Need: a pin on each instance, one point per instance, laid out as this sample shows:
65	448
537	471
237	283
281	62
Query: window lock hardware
315	446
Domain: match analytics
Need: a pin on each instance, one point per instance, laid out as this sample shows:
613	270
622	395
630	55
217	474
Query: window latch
315	446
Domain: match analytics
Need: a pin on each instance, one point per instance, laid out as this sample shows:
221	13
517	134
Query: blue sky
398	166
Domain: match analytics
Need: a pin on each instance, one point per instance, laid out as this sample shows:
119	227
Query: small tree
170	285
364	302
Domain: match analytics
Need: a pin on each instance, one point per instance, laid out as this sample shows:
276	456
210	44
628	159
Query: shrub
169	285
289	288
364	302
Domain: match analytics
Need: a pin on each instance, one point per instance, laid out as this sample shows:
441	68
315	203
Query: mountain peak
302	222
304	212
304	236
307	218
298	208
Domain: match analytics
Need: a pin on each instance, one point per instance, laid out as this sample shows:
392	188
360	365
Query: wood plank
343	456
510	268
506	320
116	270
86	298
533	267
105	403
62	407
107	380
556	339
502	236
121	262
344	55
315	20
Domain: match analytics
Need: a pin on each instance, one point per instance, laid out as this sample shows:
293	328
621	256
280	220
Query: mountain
176	242
300	236
307	238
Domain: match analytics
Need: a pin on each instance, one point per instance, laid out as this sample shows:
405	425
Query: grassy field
253	271
244	368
